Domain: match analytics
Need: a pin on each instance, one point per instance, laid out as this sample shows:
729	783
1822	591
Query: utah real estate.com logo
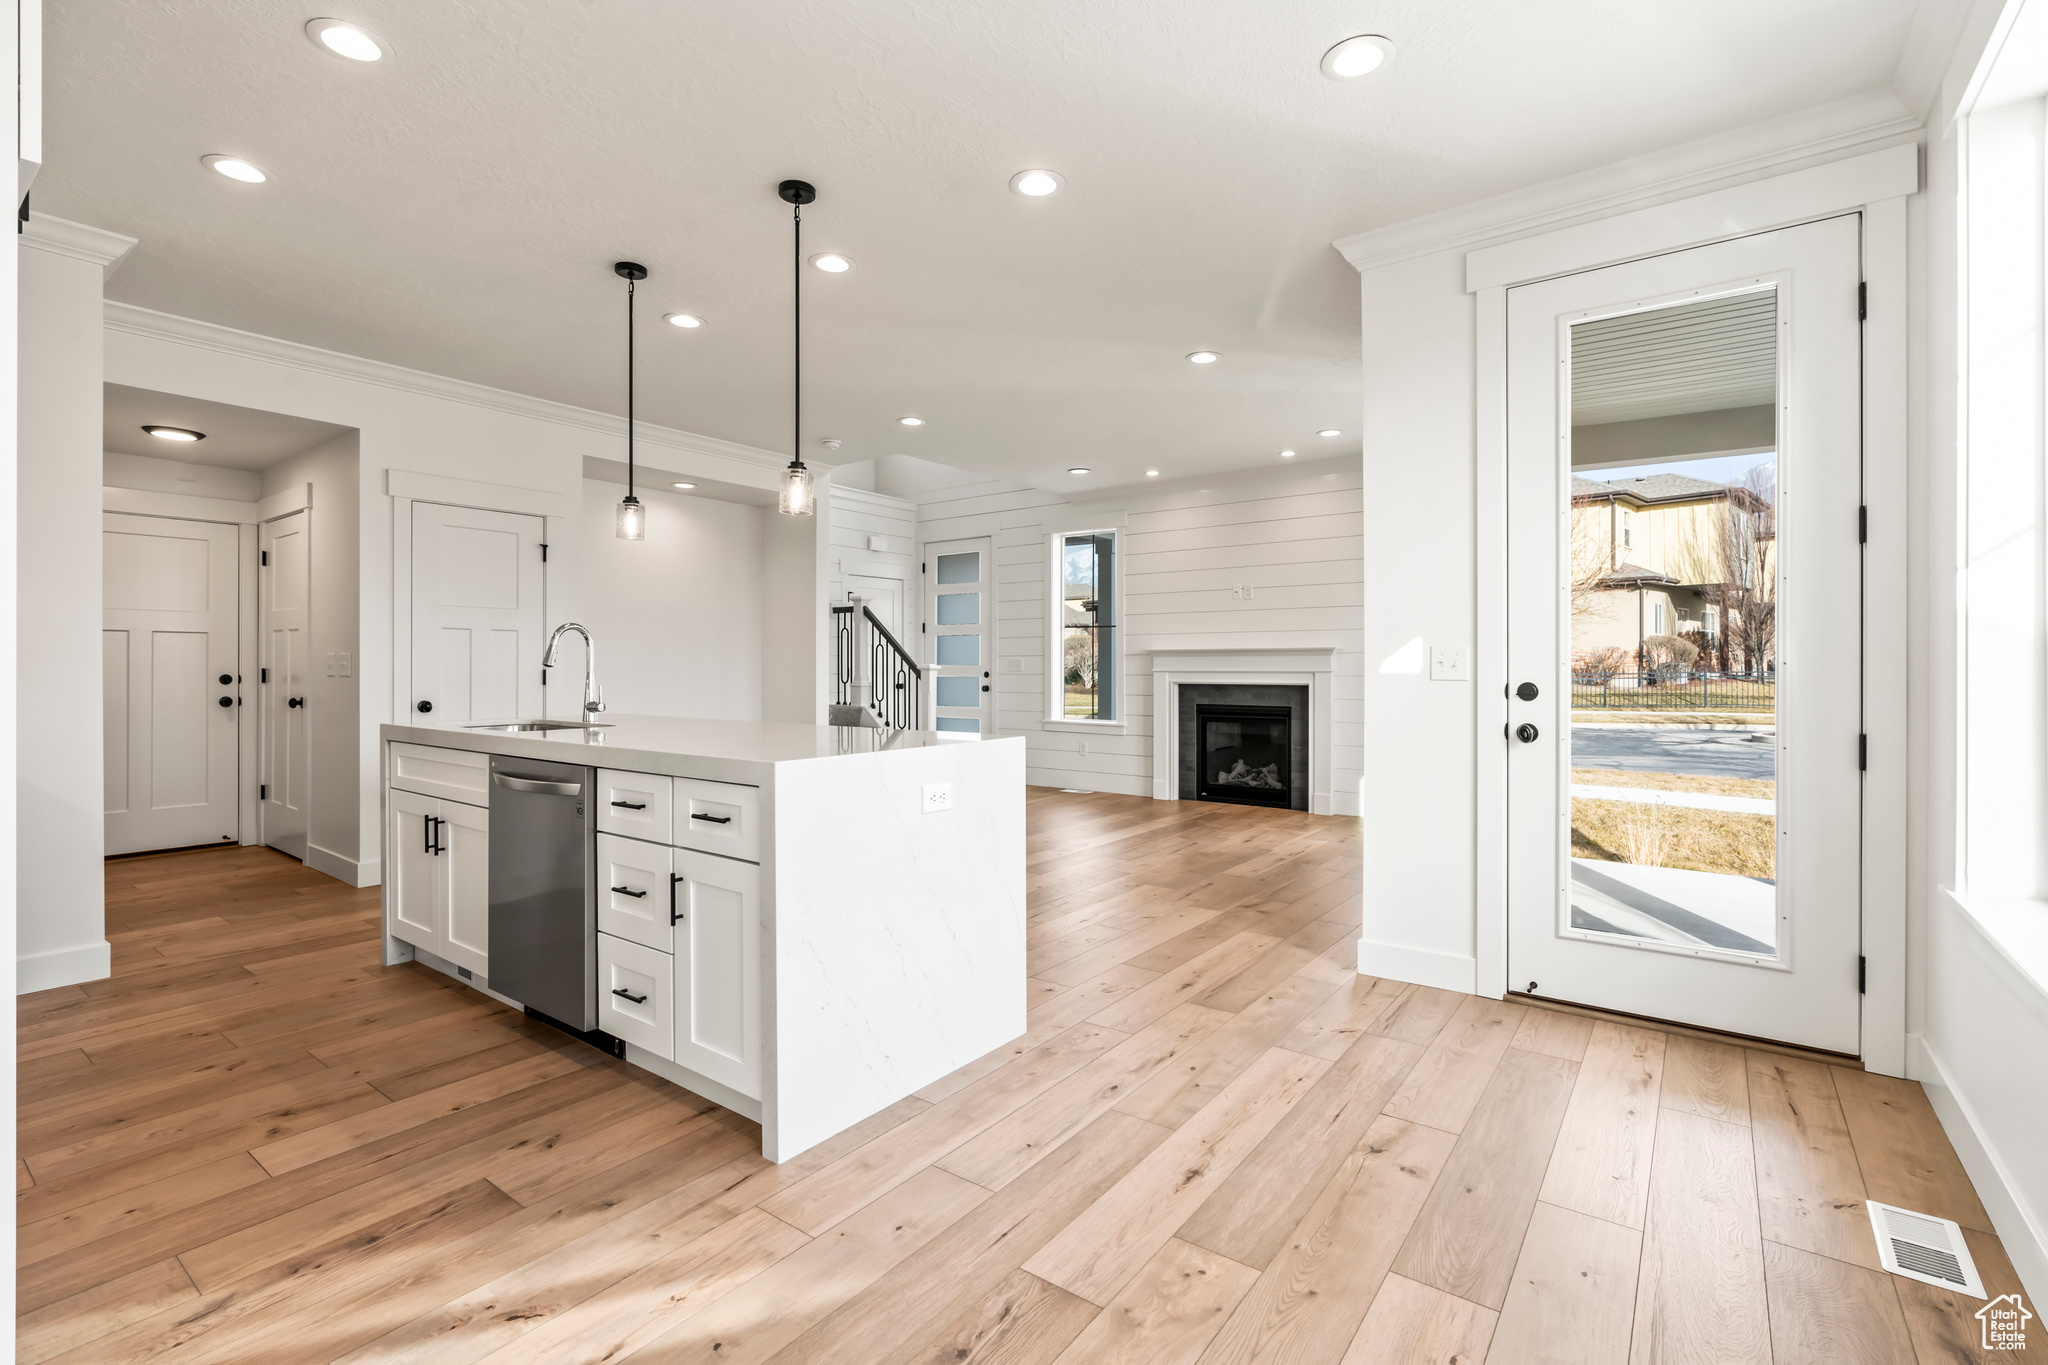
2005	1321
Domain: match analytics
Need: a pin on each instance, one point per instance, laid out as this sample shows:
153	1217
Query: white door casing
1807	992
170	633
478	614
284	745
959	578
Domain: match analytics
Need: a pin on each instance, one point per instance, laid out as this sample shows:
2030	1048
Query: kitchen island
803	923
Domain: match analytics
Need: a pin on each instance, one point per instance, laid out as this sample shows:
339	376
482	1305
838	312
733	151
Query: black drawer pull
714	819
622	991
628	891
630	805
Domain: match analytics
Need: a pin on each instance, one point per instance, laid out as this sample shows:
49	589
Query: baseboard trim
2026	1243
63	967
1397	962
341	868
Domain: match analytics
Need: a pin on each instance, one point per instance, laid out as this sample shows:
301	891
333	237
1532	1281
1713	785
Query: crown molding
77	241
1858	124
887	502
151	325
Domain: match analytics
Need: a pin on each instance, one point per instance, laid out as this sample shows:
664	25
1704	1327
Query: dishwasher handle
535	784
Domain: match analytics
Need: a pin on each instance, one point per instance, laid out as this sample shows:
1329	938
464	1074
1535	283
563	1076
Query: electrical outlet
938	796
1447	663
1083	750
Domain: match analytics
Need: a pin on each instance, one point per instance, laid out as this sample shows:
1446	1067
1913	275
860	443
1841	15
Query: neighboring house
1669	554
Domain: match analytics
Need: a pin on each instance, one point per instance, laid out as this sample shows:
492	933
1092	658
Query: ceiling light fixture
234	168
911	421
684	486
1151	473
682	319
344	39
632	520
1037	184
1329	431
798	499
1203	357
1355	57
1286	454
175	433
1078	469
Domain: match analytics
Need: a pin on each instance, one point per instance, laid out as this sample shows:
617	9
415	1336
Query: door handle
714	819
426	706
628	891
984	687
295	702
226	678
1526	733
227	701
622	991
674	914
535	784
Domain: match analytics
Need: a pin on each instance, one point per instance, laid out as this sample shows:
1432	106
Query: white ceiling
457	207
1695	357
236	438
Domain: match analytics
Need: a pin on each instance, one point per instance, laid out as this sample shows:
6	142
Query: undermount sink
521	726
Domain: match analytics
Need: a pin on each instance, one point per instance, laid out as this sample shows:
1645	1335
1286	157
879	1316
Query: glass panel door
959	574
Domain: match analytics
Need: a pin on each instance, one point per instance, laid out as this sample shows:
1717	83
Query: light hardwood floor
1216	1144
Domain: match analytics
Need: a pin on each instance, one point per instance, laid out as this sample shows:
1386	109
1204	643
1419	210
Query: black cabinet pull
714	819
439	847
630	805
629	891
426	834
674	914
622	991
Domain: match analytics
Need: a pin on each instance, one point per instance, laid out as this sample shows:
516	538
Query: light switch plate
1447	663
879	544
330	665
938	796
343	656
1013	665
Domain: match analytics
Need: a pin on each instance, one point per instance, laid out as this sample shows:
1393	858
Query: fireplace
1244	754
1290	671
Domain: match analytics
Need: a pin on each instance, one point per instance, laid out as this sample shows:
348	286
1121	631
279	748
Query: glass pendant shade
797	499
632	523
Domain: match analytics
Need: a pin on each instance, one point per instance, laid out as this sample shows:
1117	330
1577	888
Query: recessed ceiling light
1286	454
832	263
1037	184
1204	357
682	319
175	434
234	168
911	421
348	40
1078	469
1330	431
1151	473
683	485
1355	57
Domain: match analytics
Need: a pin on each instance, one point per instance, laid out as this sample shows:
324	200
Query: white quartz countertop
727	750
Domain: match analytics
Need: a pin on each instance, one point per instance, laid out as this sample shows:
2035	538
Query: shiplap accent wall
857	514
1295	535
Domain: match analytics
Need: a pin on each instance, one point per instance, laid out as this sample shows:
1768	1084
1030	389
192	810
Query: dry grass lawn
1700	840
1763	787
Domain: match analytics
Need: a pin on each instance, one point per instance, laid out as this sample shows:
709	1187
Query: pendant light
632	522
797	499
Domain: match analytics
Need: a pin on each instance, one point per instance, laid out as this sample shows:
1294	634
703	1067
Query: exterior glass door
1684	636
958	577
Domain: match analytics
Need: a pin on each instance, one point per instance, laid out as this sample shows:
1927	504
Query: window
1084	570
1628	532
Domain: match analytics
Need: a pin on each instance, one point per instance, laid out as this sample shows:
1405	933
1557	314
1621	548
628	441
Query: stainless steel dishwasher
543	944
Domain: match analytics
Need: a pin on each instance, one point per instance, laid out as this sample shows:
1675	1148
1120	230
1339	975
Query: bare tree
1749	600
1592	558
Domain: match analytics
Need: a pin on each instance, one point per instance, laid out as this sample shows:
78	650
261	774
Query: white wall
859	514
677	616
1293	533
152	475
334	834
59	773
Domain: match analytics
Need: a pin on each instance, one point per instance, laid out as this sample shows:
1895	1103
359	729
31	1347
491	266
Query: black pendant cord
796	261
630	284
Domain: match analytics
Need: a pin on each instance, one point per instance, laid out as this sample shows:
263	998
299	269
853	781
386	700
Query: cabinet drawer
636	994
634	804
453	774
718	817
634	893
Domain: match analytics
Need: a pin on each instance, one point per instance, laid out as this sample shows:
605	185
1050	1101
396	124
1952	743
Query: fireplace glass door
1242	755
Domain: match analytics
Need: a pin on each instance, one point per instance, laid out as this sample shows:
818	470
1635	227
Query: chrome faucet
593	696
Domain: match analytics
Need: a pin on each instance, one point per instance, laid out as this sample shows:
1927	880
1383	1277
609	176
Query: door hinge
1863	526
1862	975
920	567
266	675
1862	300
543	552
266	558
1863	753
263	792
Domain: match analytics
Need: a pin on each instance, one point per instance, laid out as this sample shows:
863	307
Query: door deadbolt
1527	691
1526	733
426	706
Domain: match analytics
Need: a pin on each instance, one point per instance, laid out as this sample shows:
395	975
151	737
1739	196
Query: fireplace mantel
1250	660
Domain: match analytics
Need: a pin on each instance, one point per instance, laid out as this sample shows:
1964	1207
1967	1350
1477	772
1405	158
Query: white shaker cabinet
439	886
718	969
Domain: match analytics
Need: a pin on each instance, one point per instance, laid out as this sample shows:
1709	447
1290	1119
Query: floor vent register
1922	1247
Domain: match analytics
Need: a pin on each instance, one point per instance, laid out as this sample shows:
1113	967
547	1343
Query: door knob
426	706
226	678
984	687
227	701
296	702
1527	691
1526	733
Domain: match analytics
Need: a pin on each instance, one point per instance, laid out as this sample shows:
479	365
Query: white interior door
477	614
285	746
172	679
1684	590
885	599
960	582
